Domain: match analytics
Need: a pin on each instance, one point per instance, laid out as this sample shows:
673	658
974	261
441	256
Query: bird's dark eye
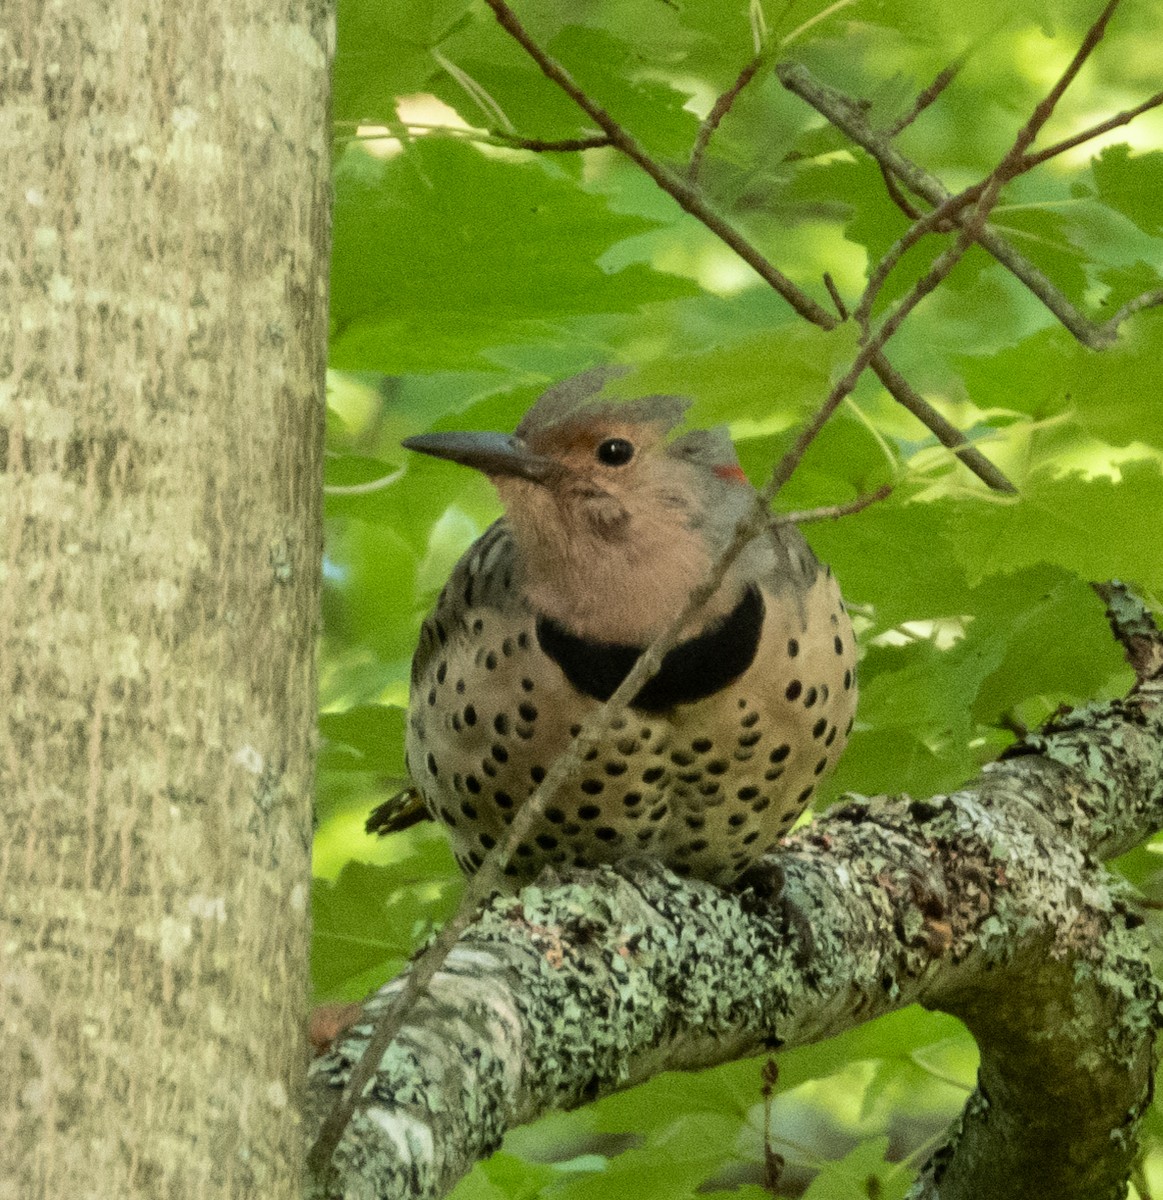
614	452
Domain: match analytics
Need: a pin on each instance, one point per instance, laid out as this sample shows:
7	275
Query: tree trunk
162	334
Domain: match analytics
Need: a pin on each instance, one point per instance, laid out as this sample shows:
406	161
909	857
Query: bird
611	519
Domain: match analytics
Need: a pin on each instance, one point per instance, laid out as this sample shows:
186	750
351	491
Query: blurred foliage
469	275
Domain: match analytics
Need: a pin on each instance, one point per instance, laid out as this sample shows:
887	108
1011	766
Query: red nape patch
734	472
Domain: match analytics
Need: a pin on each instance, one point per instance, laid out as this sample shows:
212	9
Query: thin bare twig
1079	139
837	299
1145	300
831	512
762	58
972	224
873	344
1045	108
896	195
687	197
849	116
551	145
938	218
718	111
925	98
944	215
690	201
946	433
486	137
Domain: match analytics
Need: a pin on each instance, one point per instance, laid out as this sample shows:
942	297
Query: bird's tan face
611	540
610	472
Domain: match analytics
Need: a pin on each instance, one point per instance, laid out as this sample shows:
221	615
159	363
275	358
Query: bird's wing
482	577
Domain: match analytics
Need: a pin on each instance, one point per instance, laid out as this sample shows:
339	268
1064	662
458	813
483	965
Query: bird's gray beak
492	453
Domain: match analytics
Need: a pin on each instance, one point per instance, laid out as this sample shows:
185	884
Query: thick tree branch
987	903
1133	627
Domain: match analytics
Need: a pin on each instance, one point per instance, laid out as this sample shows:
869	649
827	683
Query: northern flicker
609	524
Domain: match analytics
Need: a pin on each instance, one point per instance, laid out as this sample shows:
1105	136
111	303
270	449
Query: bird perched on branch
610	523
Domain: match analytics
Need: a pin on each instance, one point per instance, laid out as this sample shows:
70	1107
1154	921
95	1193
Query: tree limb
987	903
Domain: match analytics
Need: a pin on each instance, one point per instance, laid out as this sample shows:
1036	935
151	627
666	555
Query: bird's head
615	520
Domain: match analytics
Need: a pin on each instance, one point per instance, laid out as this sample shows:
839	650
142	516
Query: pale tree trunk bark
163	239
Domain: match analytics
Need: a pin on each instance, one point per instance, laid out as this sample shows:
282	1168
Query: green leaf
384	50
897	1035
375	574
1131	184
862	1174
897	557
1116	396
1042	235
505	1177
406	227
1097	528
367	924
368	737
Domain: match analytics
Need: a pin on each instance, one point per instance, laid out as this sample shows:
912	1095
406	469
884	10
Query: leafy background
467	276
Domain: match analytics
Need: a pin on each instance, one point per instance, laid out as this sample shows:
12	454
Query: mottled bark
988	903
163	239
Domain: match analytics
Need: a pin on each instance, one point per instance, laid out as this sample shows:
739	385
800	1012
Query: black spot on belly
693	670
